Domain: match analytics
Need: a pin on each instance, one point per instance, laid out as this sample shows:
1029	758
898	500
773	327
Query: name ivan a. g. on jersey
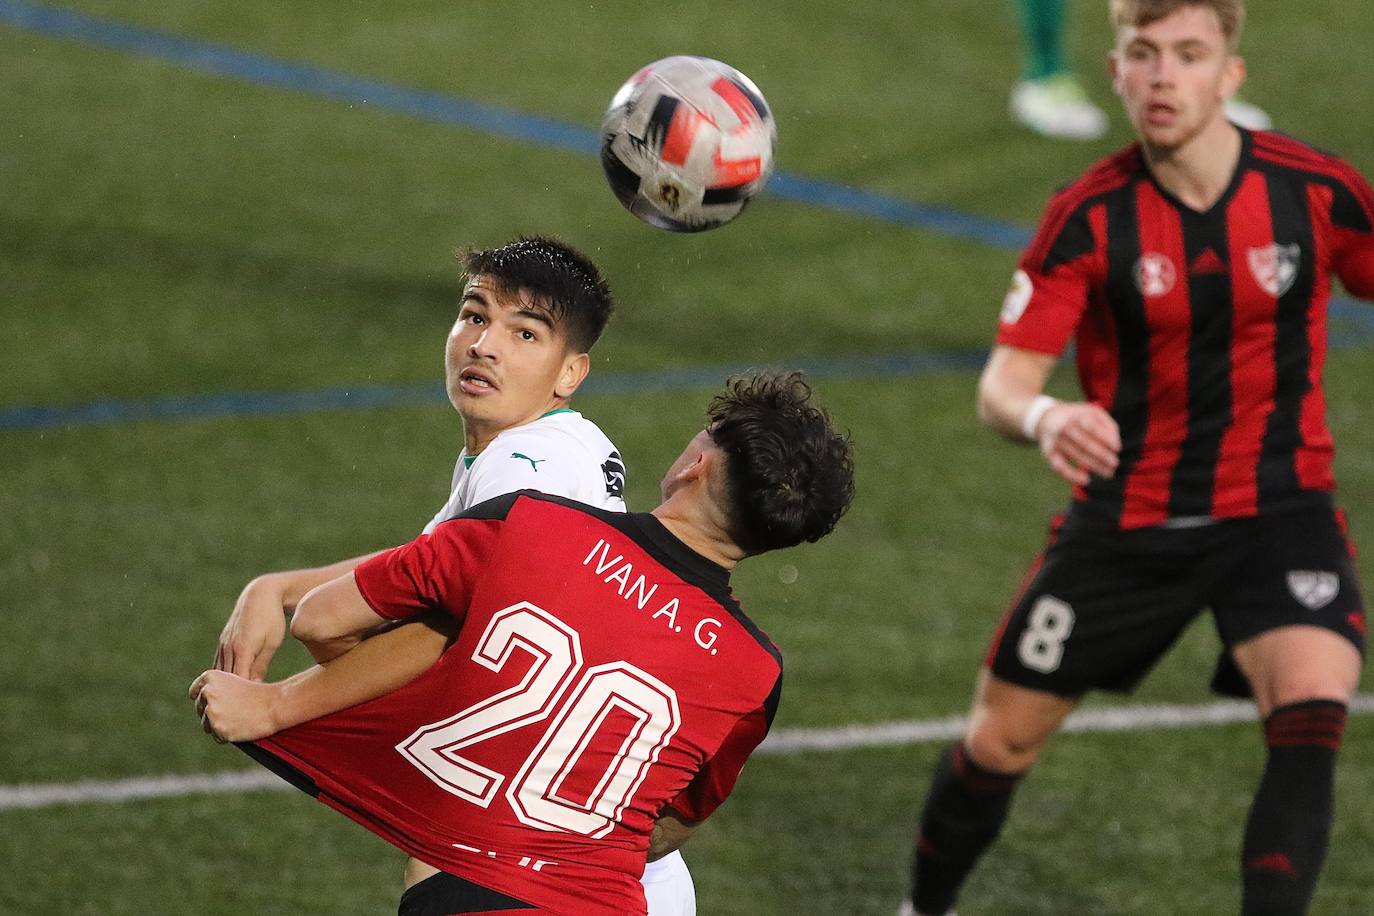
618	573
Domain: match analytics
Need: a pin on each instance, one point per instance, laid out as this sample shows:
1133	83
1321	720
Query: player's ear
1114	71
701	467
1233	76
696	469
575	369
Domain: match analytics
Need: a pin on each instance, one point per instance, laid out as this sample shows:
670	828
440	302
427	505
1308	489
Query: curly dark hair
561	278
789	475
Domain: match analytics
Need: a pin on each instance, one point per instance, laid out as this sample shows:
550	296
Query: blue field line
859	202
266	403
502	122
433	106
258	68
1353	323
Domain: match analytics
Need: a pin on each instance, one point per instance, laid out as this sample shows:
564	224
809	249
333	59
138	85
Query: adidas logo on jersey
1207	262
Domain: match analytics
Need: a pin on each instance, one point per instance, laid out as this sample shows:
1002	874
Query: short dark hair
789	474
561	278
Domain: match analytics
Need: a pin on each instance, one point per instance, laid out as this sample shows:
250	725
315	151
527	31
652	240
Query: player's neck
1199	171
690	522
477	435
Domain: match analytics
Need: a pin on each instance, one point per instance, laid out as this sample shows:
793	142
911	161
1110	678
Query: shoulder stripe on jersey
1103	178
1075	240
1301	158
1360	191
1281	147
1292	146
1352	205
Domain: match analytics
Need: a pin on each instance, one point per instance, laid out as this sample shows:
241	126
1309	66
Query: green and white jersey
562	454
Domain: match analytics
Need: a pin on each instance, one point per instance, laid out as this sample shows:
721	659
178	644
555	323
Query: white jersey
562	454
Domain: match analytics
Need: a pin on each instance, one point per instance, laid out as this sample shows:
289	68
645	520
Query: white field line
115	791
782	741
1105	719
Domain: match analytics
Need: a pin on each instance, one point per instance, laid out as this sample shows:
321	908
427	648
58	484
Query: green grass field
168	232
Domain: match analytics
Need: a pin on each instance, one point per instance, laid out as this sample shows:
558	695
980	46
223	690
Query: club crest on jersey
1275	267
1155	274
1314	589
1017	298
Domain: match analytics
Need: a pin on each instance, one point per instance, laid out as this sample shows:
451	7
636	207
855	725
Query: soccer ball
687	142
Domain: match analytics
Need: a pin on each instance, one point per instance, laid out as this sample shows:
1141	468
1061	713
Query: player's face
1174	76
507	362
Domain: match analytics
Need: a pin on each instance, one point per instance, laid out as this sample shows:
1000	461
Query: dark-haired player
531	311
603	689
1194	270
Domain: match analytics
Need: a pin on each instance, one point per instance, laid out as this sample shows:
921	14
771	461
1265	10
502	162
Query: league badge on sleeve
1017	298
614	469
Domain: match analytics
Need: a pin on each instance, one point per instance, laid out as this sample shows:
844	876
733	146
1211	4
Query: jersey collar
469	459
676	555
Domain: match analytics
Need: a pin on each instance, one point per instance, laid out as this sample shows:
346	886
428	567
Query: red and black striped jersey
602	674
1203	333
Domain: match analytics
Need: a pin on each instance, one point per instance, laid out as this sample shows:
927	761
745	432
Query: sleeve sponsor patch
1017	298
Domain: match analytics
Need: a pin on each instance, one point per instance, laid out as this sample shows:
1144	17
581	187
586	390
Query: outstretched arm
237	709
1078	439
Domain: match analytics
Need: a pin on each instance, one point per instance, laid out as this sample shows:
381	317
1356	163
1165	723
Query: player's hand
1079	441
232	708
254	631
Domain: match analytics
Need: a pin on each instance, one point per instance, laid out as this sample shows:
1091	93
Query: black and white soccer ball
687	142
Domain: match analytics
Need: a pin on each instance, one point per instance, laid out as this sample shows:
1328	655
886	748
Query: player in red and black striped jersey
603	687
1193	271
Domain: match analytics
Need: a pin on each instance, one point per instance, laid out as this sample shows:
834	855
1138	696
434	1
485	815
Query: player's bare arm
233	708
1078	439
256	627
333	618
670	832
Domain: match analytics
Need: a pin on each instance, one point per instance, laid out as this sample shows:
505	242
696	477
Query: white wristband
1034	412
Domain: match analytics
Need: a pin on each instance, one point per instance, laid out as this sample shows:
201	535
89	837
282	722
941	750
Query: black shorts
1101	607
447	895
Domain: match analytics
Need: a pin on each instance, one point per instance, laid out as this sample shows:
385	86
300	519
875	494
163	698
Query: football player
1194	269
530	313
603	689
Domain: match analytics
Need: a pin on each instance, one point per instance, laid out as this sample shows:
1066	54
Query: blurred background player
679	686
1194	269
1051	101
530	313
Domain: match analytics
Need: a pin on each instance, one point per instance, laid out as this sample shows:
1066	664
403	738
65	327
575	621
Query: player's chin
470	404
1160	138
1167	137
487	411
